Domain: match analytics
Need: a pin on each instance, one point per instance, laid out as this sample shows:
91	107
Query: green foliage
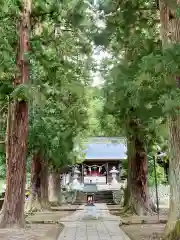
161	68
178	12
21	93
134	70
63	107
60	64
2	162
100	122
161	178
61	68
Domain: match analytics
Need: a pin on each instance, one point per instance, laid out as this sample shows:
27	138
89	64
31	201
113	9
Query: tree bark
54	188
137	198
44	185
12	214
127	189
33	203
172	230
170	33
38	199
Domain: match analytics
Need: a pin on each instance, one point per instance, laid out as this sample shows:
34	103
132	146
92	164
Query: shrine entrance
90	198
95	174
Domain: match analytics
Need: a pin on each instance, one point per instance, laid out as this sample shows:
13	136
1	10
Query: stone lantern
114	173
75	183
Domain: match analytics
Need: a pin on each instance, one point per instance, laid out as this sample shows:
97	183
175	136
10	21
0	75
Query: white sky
99	55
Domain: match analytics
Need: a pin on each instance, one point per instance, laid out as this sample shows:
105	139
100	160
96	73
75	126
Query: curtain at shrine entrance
95	174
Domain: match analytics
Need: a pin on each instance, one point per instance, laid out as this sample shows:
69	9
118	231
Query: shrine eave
104	159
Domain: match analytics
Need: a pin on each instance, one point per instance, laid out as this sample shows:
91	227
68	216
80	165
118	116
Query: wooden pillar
107	172
82	174
119	169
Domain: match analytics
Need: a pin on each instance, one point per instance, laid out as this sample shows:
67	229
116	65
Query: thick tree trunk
170	33
54	188
13	207
33	203
137	195
44	186
127	189
172	230
38	199
12	214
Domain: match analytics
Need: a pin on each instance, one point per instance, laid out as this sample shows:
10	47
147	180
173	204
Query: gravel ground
143	228
32	232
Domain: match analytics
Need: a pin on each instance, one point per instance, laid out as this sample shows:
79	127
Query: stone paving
82	226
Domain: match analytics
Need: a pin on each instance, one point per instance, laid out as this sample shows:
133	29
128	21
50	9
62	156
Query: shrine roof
102	148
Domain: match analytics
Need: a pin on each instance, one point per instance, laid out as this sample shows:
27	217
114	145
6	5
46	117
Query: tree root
139	209
128	211
35	205
55	204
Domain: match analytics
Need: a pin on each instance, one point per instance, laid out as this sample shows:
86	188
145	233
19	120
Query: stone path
79	226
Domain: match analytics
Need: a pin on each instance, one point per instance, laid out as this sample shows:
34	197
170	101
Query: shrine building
98	177
102	154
